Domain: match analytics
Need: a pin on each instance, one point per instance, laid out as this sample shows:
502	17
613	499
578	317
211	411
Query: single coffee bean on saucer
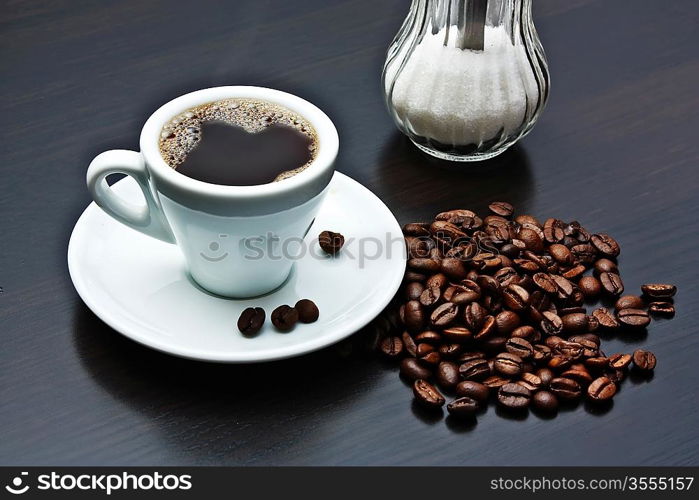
251	320
284	318
308	311
644	360
427	395
331	242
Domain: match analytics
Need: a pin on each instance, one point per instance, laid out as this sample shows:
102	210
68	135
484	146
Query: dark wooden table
616	148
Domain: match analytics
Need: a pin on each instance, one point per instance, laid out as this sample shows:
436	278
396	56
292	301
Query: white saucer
139	287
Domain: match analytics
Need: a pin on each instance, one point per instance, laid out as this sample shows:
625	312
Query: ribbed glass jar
466	79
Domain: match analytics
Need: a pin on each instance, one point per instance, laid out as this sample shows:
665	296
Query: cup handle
148	219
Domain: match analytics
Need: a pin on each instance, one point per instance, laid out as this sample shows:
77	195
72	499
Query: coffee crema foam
182	133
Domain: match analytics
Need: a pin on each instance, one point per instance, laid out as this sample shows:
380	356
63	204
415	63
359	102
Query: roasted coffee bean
474	315
574	323
493	344
563	311
416	229
644	360
597	363
501	208
470	356
590	287
601	389
514	396
545	375
526	219
551	324
515	297
565	388
506	322
553	230
666	309
284	318
605	244
590	346
488	284
542	353
605	318
446	231
545	282
524	332
413	290
429	337
531	381
472	223
463	407
520	347
527	266
592	323
438	280
331	242
574	272
409	344
605	266
424	265
579	374
494	382
431	296
444	315
308	311
545	401
457	213
458	334
251	320
659	290
508	364
450	351
411	369
629	302
510	250
476	369
453	268
465	292
633	318
423	348
414	316
584	253
473	390
532	239
427	395
411	276
571	350
447	374
391	347
561	254
506	276
487	328
619	361
611	283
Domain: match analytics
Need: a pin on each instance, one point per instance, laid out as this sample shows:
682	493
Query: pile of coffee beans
284	317
494	307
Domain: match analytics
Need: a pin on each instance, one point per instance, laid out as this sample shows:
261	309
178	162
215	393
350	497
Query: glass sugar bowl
466	79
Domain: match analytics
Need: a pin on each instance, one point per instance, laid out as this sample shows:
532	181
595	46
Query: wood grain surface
616	148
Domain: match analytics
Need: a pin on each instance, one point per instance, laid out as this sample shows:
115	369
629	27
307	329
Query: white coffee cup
230	236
